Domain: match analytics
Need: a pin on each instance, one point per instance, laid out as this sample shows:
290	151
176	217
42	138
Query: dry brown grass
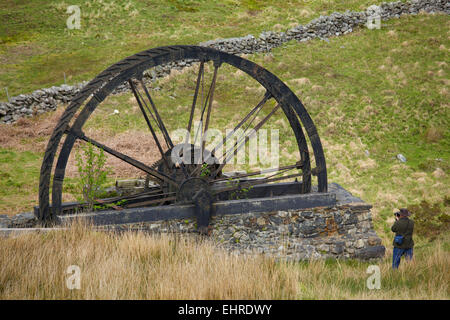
139	266
134	266
300	81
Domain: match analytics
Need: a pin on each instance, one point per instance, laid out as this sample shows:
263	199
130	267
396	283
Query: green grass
385	91
375	90
19	180
36	51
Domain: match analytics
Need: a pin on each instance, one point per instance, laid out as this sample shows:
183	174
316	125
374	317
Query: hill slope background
372	94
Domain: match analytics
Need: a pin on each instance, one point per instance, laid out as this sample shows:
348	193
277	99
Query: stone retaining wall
343	231
26	105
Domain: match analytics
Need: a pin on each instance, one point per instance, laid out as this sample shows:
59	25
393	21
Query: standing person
403	241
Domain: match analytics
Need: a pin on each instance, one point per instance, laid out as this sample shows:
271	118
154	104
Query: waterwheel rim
131	69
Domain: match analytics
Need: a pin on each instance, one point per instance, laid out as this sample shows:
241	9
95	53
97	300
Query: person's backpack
399	239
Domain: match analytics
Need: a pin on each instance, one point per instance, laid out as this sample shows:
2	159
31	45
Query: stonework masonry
342	231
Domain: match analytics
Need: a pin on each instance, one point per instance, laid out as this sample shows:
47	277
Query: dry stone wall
27	105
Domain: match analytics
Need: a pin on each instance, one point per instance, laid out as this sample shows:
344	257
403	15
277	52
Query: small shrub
93	174
433	134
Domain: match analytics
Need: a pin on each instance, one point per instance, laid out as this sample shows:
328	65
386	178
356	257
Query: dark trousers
397	255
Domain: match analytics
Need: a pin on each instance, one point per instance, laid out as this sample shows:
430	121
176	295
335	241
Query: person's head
404	213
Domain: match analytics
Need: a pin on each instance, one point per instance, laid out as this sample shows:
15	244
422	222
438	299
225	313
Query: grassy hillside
372	94
36	51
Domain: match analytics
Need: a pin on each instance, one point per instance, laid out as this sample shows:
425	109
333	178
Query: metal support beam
136	215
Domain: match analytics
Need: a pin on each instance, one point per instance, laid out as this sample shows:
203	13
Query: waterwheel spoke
246	136
160	123
253	112
141	106
133	162
194	102
209	100
239	144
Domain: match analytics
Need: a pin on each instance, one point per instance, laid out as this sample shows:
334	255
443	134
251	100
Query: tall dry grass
140	266
134	266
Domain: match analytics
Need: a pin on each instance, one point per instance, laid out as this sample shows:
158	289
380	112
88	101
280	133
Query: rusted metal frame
158	121
258	107
243	135
150	127
104	203
97	97
305	164
203	105
241	184
194	102
188	211
280	91
290	99
149	202
258	191
255	173
246	138
146	106
250	123
132	200
280	171
266	190
135	163
132	197
160	56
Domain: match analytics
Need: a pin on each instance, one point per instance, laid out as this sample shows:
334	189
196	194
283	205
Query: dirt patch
32	134
135	144
17	53
29	134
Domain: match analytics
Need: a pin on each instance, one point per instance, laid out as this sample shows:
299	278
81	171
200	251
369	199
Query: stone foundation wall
342	231
27	105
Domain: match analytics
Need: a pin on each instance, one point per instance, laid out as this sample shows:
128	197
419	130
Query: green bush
93	173
430	220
